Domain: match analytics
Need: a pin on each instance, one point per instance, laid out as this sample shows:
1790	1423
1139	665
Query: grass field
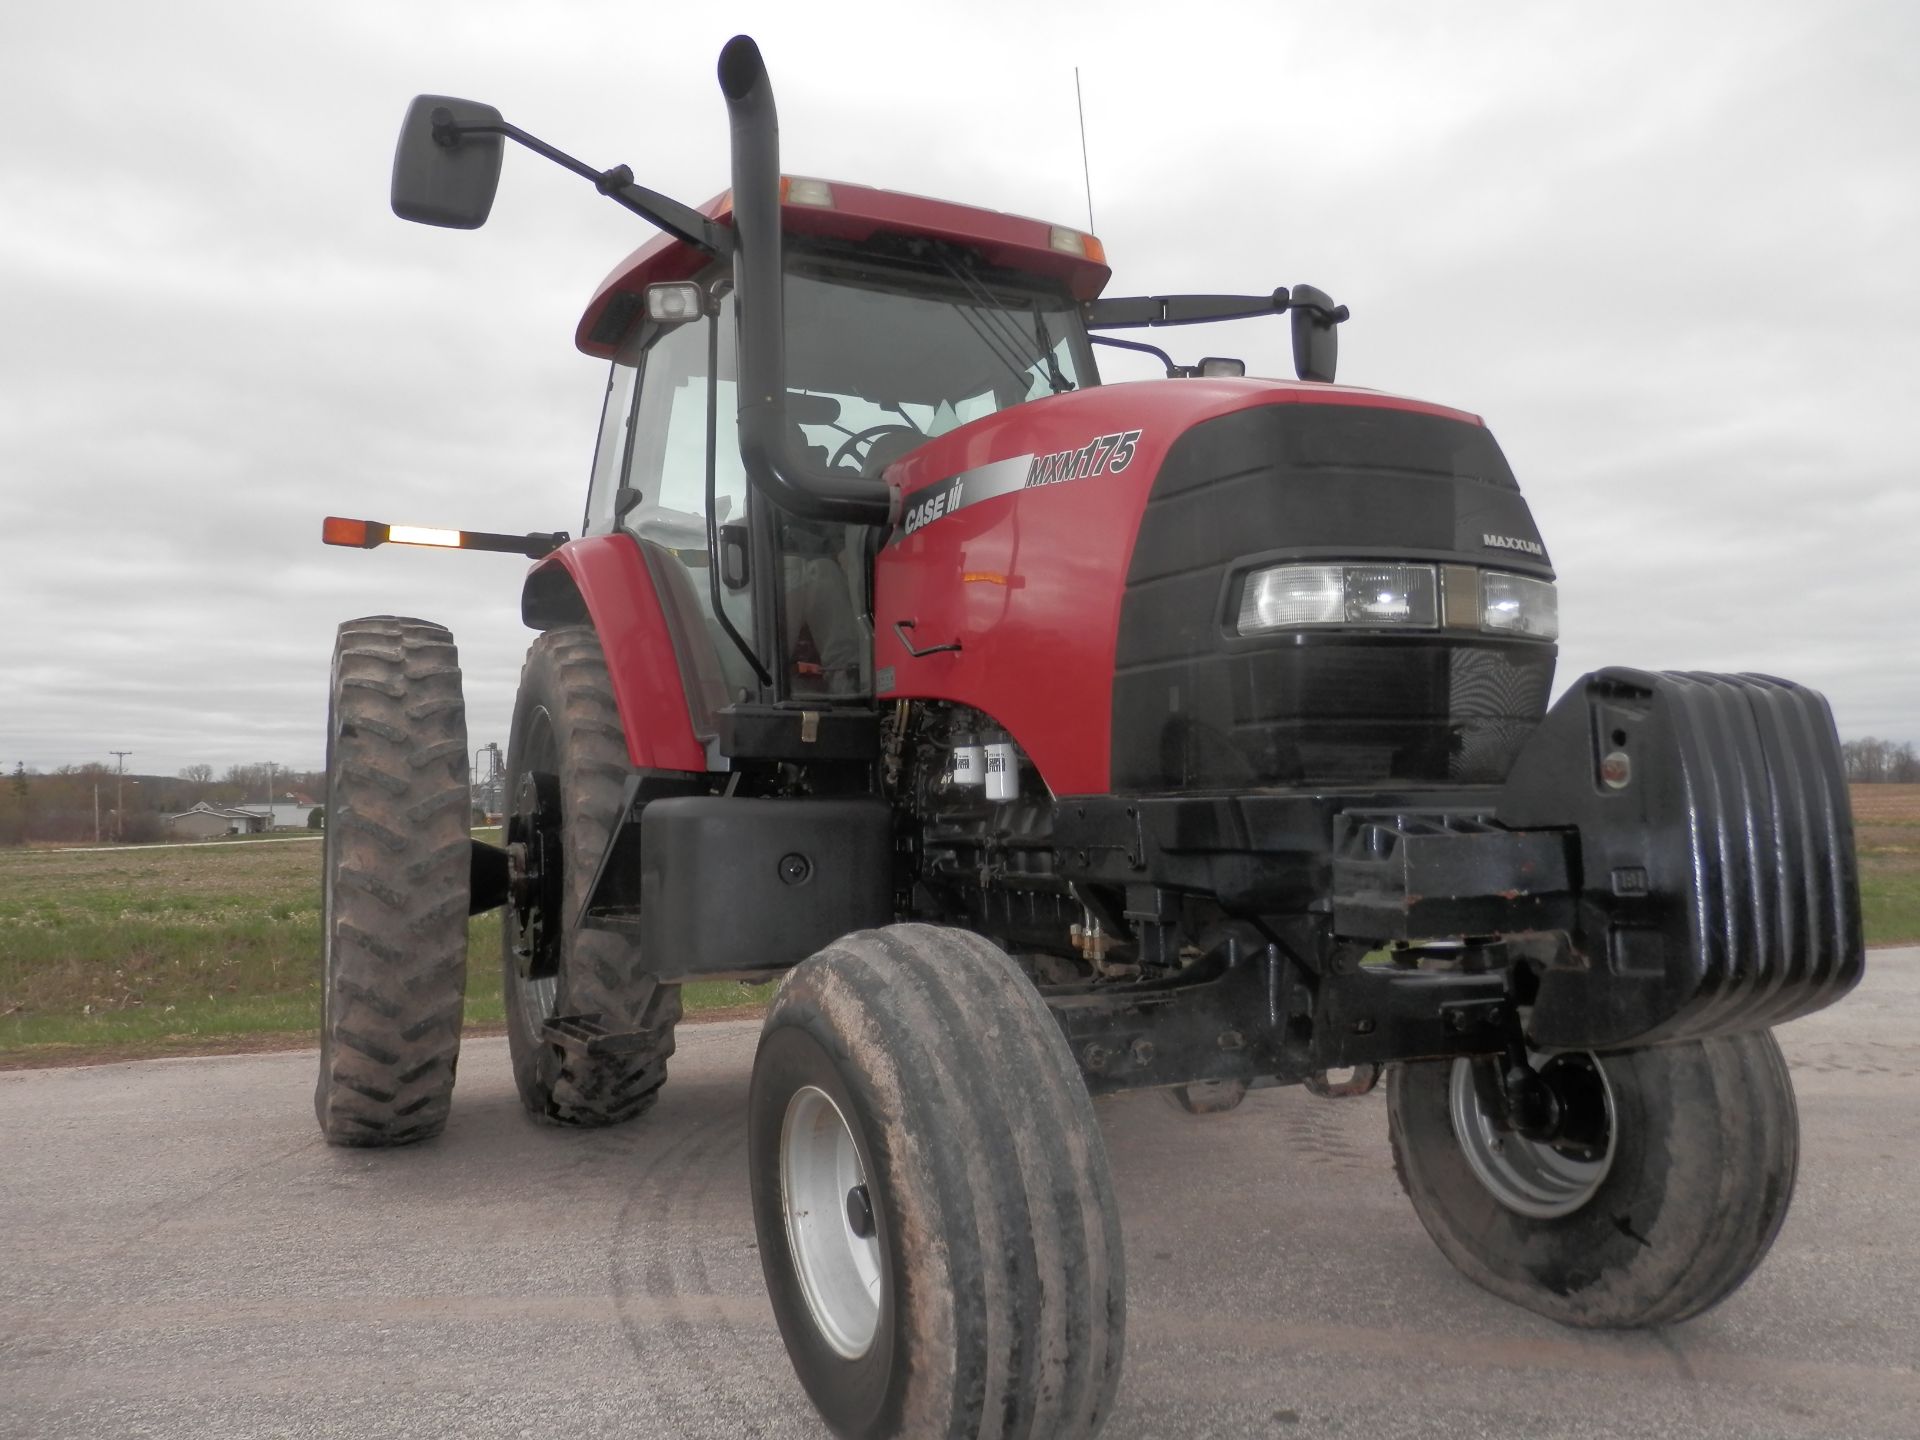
176	948
1886	821
188	948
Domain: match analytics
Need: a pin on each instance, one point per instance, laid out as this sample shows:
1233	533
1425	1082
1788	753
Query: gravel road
181	1256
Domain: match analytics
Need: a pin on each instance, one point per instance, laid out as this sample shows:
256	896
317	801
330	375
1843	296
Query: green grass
161	949
1886	831
1890	902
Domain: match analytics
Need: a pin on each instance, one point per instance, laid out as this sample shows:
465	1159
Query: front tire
975	1283
396	879
566	727
1654	1221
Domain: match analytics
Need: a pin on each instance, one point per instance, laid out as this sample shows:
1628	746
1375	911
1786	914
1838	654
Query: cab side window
666	462
610	455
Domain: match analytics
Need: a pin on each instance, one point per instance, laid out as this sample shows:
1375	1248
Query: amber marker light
361	534
365	534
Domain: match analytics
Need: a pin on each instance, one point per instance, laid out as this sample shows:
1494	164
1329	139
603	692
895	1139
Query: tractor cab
906	319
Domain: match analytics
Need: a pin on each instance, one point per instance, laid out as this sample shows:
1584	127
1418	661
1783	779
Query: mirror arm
1135	312
1174	372
682	222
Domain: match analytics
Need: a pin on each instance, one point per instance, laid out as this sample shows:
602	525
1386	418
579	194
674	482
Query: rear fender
603	581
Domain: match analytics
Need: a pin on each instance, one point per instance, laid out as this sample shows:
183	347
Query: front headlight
1519	605
1287	597
1384	595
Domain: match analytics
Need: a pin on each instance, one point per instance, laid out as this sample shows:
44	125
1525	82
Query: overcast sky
1668	251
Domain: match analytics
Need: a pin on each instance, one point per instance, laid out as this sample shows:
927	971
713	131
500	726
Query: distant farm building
282	814
204	821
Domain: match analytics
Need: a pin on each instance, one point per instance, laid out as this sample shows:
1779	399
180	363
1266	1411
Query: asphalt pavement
180	1255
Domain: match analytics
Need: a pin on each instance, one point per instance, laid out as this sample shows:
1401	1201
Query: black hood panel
1198	706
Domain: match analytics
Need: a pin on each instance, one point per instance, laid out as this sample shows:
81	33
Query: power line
119	798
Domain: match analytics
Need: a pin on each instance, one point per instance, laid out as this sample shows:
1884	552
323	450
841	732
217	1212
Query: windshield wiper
996	344
1055	380
1011	343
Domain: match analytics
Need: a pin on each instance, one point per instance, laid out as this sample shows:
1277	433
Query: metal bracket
586	1037
1361	1082
900	628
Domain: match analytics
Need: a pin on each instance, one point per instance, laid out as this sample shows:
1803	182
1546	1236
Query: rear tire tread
602	973
395	957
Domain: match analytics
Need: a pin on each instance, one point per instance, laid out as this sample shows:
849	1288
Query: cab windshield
878	362
914	356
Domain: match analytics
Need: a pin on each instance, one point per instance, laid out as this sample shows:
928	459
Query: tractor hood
1092	551
1059	439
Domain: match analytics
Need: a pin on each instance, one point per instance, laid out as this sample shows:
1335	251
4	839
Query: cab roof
835	210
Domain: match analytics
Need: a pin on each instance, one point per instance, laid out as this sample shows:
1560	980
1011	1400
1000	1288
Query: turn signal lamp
366	534
335	530
1073	242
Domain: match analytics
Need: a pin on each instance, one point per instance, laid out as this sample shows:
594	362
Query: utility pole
120	795
269	824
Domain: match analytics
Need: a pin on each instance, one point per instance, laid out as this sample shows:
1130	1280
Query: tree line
1881	762
76	803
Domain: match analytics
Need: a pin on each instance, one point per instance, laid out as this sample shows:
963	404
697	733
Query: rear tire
976	1285
1698	1173
565	723
396	879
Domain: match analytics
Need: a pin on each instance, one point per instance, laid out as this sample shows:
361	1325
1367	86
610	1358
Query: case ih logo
1507	542
1104	454
1111	453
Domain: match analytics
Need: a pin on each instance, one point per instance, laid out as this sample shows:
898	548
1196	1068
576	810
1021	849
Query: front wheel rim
838	1267
1529	1177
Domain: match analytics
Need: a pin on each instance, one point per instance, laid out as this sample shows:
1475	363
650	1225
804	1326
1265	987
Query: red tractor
1051	738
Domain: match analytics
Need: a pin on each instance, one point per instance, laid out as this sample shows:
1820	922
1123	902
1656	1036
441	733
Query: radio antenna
1085	173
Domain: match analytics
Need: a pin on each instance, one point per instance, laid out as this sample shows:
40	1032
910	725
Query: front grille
1196	706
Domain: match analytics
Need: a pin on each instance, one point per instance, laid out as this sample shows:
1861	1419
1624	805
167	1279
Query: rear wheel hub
536	874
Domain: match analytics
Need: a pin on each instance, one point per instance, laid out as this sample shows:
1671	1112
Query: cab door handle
900	629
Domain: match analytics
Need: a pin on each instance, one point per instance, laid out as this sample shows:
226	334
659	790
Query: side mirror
1316	343
441	176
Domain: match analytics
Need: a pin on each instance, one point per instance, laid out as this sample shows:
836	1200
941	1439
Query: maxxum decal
1510	542
1112	453
1104	454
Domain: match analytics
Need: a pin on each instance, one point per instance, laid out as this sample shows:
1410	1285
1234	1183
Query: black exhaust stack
795	485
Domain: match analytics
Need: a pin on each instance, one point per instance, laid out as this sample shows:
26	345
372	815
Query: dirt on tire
566	696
